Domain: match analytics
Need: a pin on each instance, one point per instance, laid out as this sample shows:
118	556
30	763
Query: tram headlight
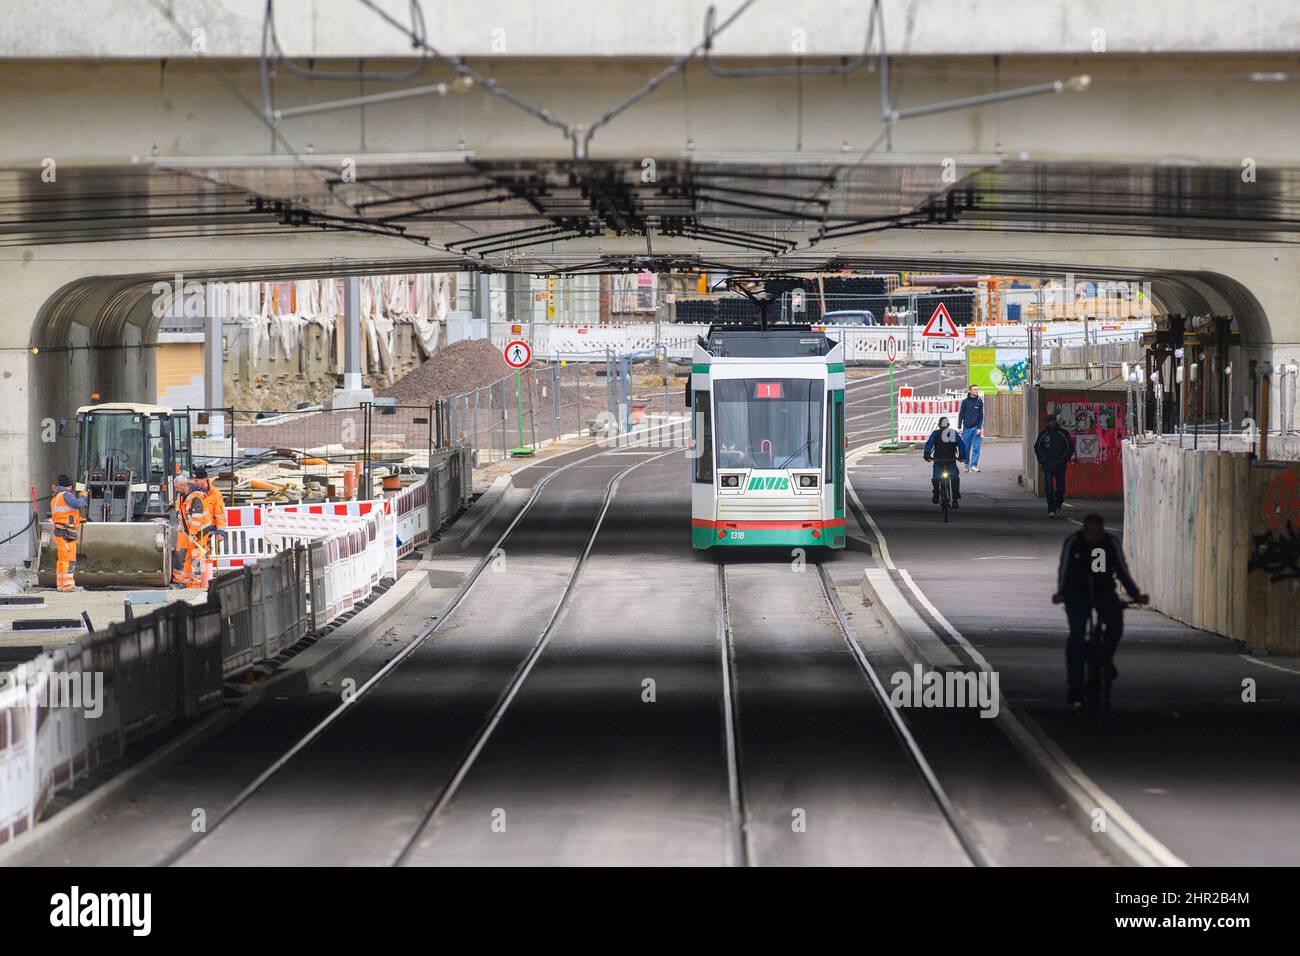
807	481
730	481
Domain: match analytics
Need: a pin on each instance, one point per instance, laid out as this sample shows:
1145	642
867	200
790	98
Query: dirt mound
471	363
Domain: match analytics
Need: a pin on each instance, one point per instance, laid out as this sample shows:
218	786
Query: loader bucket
113	554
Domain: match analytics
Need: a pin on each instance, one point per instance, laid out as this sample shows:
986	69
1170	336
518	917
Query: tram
767	423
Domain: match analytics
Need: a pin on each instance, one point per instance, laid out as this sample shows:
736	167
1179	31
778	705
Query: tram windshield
768	422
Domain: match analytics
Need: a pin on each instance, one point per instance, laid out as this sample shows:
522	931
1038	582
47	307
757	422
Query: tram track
448	793
434	625
739	832
946	807
743	852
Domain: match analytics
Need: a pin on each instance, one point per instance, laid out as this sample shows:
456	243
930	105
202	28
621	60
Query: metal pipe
436	89
1076	84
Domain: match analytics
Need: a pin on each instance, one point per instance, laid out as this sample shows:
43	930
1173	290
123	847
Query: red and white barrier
246	534
918	415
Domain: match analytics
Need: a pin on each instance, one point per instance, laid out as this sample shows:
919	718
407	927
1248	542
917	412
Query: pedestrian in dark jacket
1054	449
970	422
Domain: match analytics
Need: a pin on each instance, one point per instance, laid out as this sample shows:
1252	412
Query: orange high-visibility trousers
183	560
65	565
198	563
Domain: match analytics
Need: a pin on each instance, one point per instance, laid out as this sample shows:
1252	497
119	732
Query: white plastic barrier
411	510
56	724
19	788
918	415
861	343
350	553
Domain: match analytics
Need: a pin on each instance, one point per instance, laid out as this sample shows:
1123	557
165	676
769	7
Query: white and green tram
767	413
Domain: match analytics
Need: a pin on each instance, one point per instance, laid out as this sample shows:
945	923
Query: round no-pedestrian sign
518	354
891	349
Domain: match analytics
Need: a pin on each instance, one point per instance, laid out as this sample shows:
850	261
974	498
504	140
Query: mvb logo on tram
95	910
768	483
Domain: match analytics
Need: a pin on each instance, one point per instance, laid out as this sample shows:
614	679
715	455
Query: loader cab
129	456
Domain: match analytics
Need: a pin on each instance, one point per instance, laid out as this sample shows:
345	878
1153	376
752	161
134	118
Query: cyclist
1091	560
945	448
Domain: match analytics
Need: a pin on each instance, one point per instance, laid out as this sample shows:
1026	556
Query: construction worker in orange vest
198	530
181	552
216	503
65	512
215	506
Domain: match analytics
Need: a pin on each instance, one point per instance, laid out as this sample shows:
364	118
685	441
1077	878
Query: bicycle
945	493
1097	668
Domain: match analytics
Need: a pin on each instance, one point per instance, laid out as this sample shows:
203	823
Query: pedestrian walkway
1204	771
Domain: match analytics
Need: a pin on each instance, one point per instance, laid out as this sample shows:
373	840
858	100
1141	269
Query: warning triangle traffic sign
941	324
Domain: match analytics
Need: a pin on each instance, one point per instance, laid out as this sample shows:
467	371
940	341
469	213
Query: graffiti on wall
1097	426
1276	551
1277	554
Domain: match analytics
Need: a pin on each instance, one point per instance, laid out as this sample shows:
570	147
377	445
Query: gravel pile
470	363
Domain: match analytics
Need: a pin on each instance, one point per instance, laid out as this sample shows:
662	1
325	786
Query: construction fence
867	344
1214	538
316	454
64	713
600	397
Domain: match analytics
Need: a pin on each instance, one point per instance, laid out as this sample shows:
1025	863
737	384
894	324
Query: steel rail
959	828
448	792
333	716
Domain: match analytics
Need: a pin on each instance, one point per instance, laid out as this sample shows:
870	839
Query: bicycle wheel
945	497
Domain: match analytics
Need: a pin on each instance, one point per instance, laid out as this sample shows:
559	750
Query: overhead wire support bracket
843	69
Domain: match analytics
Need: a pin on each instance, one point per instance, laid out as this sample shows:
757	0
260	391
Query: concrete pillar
483	301
353	392
352	333
214	383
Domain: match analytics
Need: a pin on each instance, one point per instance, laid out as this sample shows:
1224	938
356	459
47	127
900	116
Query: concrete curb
489	504
305	671
910	634
1123	838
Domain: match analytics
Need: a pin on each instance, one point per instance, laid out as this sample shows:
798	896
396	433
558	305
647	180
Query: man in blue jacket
970	419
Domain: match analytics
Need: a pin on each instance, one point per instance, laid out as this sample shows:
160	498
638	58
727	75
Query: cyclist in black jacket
1091	560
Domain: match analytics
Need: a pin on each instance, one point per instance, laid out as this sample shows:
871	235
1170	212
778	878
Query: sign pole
518	354
893	406
891	353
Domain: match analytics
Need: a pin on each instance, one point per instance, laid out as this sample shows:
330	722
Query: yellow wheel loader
128	459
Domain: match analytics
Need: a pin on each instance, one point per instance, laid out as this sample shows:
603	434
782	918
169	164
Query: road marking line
1276	667
851	382
875	529
1032	738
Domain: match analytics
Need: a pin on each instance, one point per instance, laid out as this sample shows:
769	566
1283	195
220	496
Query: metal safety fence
315	454
545	403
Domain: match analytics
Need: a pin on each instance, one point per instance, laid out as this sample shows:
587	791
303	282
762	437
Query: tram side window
703	437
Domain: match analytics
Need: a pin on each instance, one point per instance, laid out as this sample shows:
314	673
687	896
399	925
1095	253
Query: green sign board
997	370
